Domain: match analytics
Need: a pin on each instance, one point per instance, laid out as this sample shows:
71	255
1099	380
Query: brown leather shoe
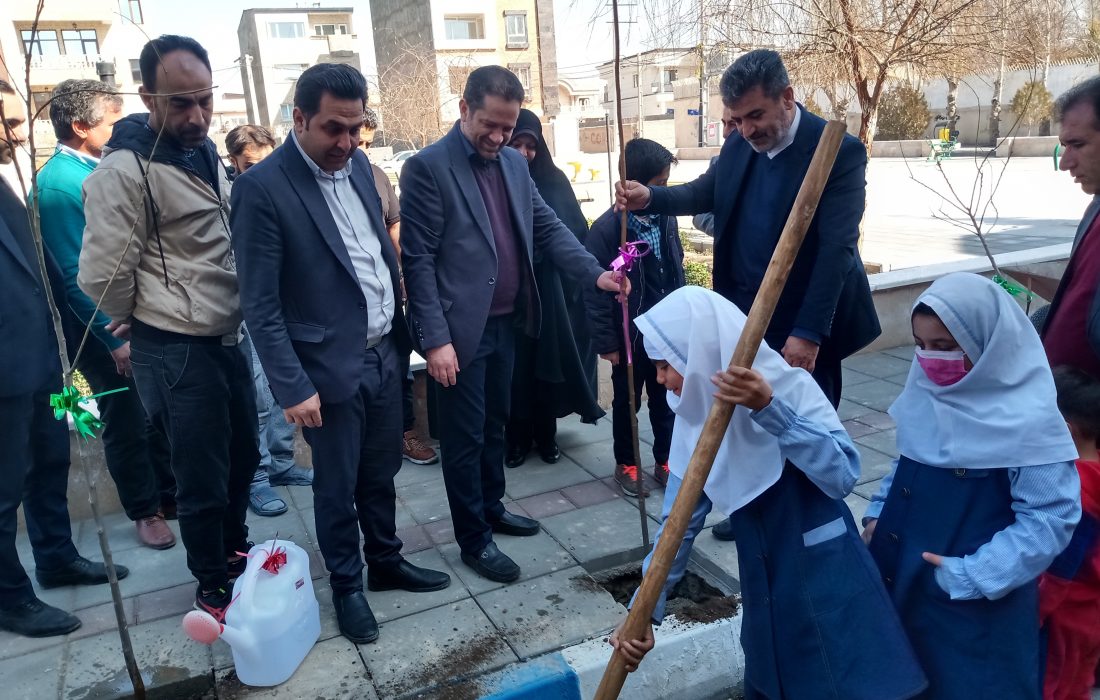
154	533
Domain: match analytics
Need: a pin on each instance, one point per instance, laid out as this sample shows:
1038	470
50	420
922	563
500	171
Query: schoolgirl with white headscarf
816	619
984	494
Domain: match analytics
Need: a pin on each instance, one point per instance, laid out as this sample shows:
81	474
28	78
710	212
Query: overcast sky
583	29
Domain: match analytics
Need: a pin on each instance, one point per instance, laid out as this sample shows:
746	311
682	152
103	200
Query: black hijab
551	182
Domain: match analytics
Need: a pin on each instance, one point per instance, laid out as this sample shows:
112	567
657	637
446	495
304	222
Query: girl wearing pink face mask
983	496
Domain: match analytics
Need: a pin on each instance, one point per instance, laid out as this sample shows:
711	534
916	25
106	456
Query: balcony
336	42
68	62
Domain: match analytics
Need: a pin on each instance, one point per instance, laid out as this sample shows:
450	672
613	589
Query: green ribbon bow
69	401
1013	289
1057	152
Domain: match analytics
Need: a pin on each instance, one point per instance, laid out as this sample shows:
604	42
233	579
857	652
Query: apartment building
277	44
649	82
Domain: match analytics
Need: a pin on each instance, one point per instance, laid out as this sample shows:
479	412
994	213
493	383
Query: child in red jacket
1069	591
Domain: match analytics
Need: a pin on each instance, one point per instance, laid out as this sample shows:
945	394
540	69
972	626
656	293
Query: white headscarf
1004	412
696	331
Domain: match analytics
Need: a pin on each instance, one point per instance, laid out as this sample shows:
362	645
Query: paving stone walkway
470	628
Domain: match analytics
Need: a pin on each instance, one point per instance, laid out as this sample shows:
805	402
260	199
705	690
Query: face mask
943	367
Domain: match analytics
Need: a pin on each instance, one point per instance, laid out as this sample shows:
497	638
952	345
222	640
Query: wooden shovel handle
702	459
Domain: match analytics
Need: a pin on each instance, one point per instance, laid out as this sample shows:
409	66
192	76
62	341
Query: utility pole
702	76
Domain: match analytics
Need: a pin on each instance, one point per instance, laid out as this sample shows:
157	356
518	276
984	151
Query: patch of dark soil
692	600
459	659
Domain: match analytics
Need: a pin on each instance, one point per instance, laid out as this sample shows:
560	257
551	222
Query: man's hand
119	329
612	357
799	352
869	531
443	364
121	356
631	650
306	414
742	387
614	282
632	197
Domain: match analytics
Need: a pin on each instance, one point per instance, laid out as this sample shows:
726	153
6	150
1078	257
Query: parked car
392	167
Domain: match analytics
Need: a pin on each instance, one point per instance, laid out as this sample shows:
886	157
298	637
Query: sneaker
414	449
660	473
627	477
213	602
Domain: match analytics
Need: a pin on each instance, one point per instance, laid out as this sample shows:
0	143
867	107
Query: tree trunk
868	123
953	100
995	107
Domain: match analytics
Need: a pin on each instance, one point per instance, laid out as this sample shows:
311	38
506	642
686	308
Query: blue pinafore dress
971	649
817	623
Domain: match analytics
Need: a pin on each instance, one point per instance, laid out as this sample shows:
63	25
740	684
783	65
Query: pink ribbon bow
628	255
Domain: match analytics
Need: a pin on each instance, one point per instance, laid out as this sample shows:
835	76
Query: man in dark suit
34	446
320	292
472	222
1071	334
825	313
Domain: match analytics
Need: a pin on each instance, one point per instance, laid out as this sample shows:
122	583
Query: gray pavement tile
165	603
876	364
288	526
414	539
150	570
13	645
550	612
597	458
308	516
121	535
301	496
434	647
850	377
535	556
317	567
537	477
873	464
858	505
885	441
856	429
847	410
898	379
412	474
36	674
597	531
878	394
867	489
904	352
544	505
392	605
164	654
879	420
572	432
427	501
589	493
440	532
404	517
101	618
332	671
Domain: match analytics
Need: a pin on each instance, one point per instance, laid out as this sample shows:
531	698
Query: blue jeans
680	563
201	396
276	436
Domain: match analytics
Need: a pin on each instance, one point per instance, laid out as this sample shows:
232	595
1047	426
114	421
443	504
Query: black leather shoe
550	453
723	530
515	457
36	619
355	618
493	564
406	577
516	525
79	572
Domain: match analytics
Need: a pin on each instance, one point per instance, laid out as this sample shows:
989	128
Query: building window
329	29
40	43
635	80
286	112
286	30
465	27
131	10
583	102
515	28
80	42
523	72
457	76
670	75
135	71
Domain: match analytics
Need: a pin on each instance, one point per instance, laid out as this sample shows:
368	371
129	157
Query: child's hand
631	650
743	387
869	531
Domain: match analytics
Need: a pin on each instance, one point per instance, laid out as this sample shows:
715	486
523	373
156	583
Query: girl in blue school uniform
983	497
817	622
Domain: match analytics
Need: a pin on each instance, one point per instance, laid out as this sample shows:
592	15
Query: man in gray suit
472	223
1071	334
